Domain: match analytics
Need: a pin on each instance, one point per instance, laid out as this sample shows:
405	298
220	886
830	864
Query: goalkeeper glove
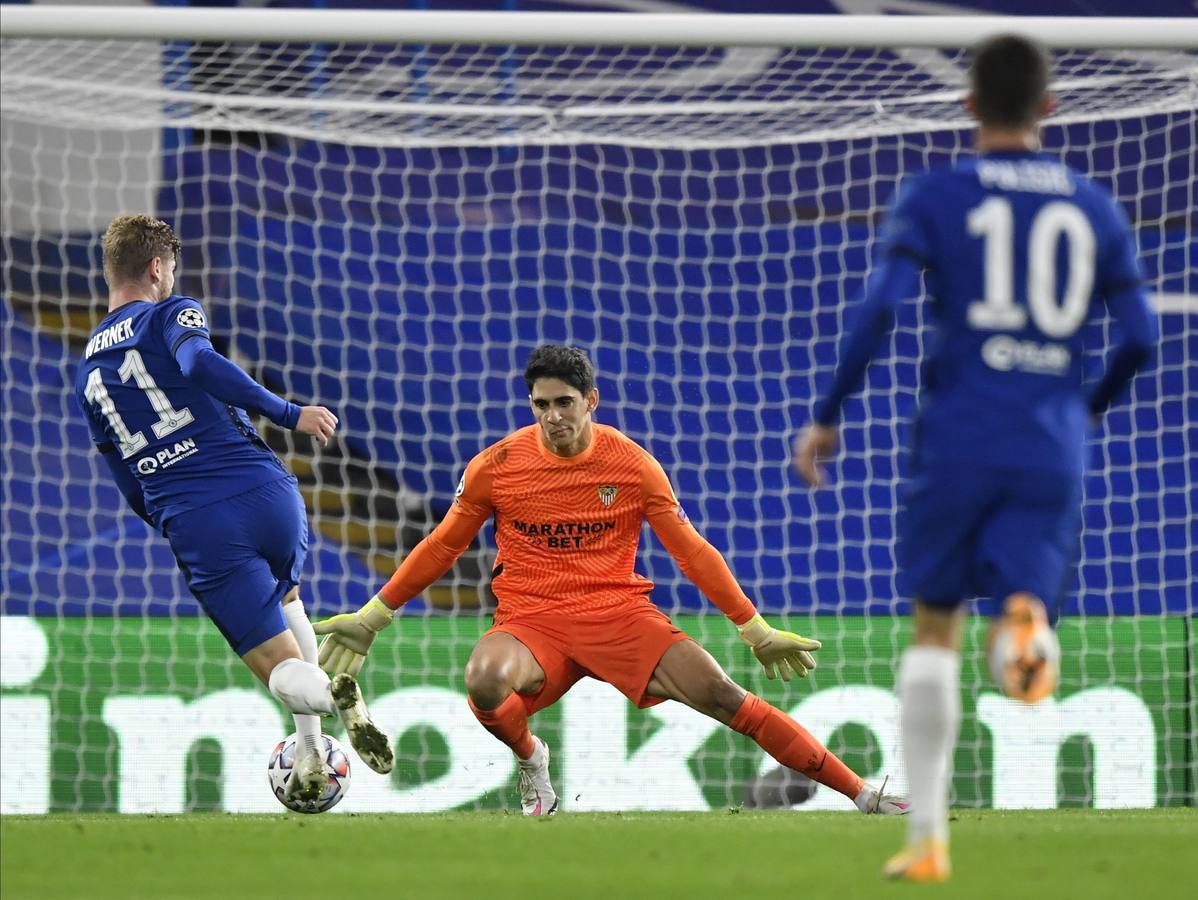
778	651
350	635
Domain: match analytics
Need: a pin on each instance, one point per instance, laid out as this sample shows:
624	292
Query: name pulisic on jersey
1037	176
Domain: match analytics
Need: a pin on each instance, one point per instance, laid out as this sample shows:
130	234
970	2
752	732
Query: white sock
930	692
297	620
307	727
302	688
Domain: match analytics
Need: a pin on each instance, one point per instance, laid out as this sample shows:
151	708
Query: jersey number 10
169	421
994	221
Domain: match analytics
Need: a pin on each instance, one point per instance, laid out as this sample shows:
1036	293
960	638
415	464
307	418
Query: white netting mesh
379	95
389	230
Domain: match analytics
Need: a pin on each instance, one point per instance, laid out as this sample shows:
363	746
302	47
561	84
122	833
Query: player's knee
488	680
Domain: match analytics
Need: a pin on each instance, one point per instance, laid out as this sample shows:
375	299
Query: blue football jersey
1019	252
186	448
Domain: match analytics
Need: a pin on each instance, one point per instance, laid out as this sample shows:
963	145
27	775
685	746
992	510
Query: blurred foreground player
569	497
1021	253
165	410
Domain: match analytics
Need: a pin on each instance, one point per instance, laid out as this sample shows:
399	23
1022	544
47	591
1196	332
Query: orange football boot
923	861
1024	652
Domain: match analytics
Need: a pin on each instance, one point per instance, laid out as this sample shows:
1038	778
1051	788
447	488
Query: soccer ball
336	763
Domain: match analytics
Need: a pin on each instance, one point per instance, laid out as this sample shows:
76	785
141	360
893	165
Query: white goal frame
592	756
610	29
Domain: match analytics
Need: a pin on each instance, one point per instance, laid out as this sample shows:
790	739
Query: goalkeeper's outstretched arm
779	652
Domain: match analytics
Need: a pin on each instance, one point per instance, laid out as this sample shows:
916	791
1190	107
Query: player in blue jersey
167	413
1020	253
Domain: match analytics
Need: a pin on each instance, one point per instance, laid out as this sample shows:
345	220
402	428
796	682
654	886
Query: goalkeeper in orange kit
569	496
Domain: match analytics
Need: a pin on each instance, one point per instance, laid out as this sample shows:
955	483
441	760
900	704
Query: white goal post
385	211
591	29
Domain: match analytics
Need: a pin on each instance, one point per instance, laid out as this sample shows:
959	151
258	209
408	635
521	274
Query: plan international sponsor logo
167	457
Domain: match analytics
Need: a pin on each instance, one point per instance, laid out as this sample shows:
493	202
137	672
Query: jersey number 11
169	421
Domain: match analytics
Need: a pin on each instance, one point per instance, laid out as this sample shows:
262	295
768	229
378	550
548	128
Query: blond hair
130	242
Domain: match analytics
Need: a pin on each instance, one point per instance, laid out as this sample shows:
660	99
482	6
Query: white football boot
876	802
366	737
308	777
537	797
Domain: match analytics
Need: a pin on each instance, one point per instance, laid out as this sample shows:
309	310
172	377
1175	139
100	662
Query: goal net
388	227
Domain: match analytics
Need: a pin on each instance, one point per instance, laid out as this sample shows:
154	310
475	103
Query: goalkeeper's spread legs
688	673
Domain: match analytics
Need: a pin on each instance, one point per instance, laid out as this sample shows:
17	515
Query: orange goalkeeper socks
508	722
793	745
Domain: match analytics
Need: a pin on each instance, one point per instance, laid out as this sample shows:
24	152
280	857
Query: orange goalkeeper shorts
621	645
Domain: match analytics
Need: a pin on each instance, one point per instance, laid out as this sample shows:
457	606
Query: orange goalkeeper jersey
567	529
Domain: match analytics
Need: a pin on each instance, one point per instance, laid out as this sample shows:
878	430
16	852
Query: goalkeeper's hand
350	635
779	651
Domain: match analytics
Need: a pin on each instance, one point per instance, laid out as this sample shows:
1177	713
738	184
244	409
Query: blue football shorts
241	556
966	531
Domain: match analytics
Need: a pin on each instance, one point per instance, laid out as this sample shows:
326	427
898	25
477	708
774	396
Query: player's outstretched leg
509	723
1025	656
367	738
308	776
305	689
795	747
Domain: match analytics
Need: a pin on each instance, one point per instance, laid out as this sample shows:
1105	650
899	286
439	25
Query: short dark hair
568	364
130	242
1009	77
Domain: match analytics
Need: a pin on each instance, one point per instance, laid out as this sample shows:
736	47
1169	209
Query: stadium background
506	267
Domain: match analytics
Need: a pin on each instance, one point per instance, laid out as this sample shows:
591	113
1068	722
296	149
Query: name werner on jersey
113	334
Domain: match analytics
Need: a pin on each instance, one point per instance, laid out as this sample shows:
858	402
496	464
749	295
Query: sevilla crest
607	493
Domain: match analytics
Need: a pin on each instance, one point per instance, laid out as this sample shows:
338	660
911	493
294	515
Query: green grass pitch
728	855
